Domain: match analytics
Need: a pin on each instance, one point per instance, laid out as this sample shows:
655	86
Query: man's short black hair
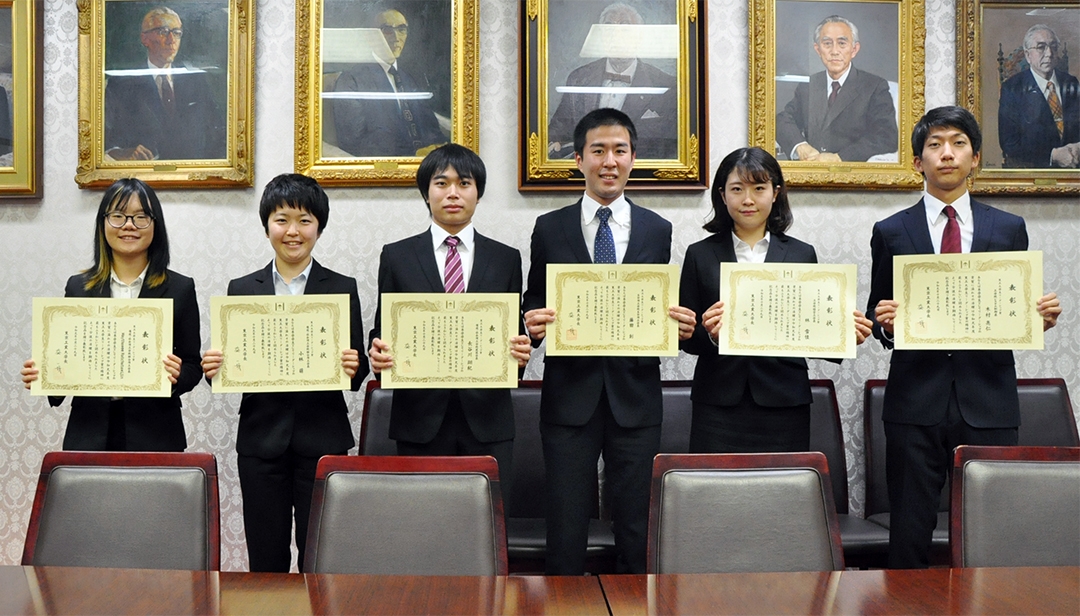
295	191
951	116
605	116
466	162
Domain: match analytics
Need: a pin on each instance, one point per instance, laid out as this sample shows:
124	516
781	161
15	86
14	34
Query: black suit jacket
920	381
151	424
655	116
409	266
1026	128
572	385
134	115
313	423
720	380
860	123
376	127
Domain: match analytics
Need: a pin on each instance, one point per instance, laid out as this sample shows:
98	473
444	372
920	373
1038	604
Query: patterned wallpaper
217	236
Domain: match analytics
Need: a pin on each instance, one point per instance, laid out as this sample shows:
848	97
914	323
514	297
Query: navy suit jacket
135	115
860	123
376	127
151	424
1026	128
572	385
312	423
408	266
655	116
920	381
720	380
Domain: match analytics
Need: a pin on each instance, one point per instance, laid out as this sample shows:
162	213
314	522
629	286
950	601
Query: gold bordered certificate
788	309
450	340
619	310
102	346
979	300
280	342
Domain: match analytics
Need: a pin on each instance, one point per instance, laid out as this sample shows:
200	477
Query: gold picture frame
567	55
788	92
198	134
352	126
996	84
21	100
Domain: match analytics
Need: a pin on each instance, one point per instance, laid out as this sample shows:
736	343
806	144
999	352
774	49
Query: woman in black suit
131	258
745	404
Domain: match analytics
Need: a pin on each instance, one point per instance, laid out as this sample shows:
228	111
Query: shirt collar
842	79
138	279
1041	83
738	242
301	276
629	71
620	210
466	236
933	205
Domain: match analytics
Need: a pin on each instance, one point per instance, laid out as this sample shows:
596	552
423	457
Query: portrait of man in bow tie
640	89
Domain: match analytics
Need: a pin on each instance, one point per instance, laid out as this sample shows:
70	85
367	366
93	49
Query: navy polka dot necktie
604	245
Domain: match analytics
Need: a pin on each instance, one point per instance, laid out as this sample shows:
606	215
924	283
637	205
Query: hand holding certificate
614	310
102	347
788	310
979	300
450	340
280	342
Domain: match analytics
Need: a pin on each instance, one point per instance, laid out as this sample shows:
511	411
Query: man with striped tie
1039	109
451	257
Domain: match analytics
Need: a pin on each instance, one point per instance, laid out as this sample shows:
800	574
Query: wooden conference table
63	590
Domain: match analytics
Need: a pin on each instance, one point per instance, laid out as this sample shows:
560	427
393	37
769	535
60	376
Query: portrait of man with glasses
162	109
1039	108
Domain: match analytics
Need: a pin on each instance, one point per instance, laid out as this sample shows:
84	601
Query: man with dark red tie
938	399
451	257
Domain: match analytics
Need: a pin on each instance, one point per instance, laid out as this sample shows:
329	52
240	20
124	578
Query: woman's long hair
116	199
752	165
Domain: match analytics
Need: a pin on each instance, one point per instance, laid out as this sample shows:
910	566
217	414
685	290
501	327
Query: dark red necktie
835	91
950	238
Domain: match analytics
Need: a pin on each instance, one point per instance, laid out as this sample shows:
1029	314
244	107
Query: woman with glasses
131	257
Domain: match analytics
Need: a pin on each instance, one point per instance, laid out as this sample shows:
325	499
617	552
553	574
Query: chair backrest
407	516
827	436
375	422
528	477
678	411
1015	507
716	513
125	510
1046	414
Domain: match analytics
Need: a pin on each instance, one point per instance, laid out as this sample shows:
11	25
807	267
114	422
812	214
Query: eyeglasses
117	220
165	31
401	30
1042	48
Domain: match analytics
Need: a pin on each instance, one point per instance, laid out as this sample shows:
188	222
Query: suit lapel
819	103
914	221
982	226
847	95
778	249
724	248
158	291
264	280
480	266
424	251
570	223
638	236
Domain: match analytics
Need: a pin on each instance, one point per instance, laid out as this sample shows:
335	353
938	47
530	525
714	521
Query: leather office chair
407	516
1015	507
1046	414
375	422
678	412
716	513
125	510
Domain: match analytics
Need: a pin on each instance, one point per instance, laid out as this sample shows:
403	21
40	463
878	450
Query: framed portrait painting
1016	77
644	57
20	98
165	92
380	83
835	89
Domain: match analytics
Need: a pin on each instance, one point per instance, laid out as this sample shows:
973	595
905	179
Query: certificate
450	340
102	347
978	300
619	310
280	342
788	309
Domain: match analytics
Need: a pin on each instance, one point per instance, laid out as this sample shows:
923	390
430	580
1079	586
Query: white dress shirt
466	250
936	219
120	290
745	253
296	286
619	223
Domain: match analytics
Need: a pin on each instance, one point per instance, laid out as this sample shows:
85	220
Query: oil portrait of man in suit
165	81
848	111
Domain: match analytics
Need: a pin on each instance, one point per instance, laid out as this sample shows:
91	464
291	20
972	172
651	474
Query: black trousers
570	458
455	438
275	490
747	427
917	463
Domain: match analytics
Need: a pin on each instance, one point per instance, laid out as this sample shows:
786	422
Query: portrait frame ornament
231	81
905	82
315	153
984	58
21	159
683	165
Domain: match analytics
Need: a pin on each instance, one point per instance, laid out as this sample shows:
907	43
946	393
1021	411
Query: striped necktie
1055	107
453	278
